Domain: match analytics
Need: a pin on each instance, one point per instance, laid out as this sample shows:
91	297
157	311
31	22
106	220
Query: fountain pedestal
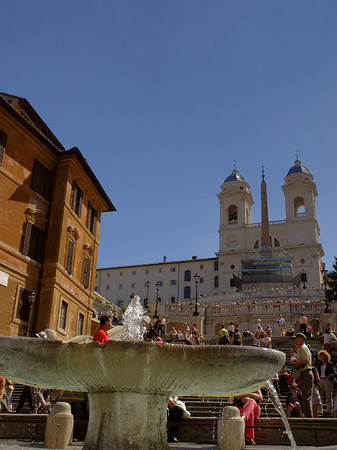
127	420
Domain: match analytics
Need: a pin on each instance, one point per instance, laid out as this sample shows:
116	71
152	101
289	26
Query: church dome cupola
234	176
297	168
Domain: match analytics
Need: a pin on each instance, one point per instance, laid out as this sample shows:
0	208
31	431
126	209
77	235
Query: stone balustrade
234	310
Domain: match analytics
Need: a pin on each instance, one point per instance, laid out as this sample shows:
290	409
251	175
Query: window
232	282
133	272
160	283
159	270
80	324
3	141
201	279
216	282
92	218
232	267
201	266
276	242
120	274
233	214
42	180
107	287
173	282
120	286
146	271
108	274
133	285
145	284
173	299
172	269
63	315
187	292
77	195
96	276
216	266
86	272
96	288
33	242
70	256
22	310
187	275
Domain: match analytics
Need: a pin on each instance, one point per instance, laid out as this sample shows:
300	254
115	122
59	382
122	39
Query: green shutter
70	256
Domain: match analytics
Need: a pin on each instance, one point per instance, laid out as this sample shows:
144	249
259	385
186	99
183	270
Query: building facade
294	239
296	236
172	280
51	205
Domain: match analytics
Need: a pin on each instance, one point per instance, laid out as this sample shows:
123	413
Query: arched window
173	299
187	275
299	208
276	242
233	214
187	292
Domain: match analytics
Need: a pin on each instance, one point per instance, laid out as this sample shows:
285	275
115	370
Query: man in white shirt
281	324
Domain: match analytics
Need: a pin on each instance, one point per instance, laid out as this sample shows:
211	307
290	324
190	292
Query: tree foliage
332	282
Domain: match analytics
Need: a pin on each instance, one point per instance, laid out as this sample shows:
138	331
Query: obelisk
265	241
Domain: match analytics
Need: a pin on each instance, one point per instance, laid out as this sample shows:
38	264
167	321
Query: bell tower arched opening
233	214
299	207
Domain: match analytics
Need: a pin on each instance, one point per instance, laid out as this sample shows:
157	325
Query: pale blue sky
162	96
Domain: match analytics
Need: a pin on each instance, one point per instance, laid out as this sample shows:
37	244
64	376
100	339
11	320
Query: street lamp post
31	300
196	279
157	298
327	309
147	293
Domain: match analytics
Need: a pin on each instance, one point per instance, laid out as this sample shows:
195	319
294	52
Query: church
284	253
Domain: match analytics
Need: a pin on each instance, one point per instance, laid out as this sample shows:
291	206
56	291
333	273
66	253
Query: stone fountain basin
135	366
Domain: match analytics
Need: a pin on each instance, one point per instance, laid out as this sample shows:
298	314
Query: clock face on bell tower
232	240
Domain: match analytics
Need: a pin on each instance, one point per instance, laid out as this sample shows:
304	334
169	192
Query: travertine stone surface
231	429
129	383
59	427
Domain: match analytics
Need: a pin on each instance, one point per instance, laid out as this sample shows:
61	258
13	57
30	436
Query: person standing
326	373
315	326
303	324
223	338
281	324
236	338
101	334
303	363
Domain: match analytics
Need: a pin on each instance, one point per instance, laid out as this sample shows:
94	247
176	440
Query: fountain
129	382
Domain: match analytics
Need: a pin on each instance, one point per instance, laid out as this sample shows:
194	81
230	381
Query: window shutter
75	188
2	153
80	201
3	139
86	272
48	183
89	215
94	222
26	239
70	255
37	177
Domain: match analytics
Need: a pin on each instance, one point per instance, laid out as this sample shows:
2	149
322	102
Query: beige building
294	238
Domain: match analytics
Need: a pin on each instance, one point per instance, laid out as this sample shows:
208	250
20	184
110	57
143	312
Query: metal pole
156	311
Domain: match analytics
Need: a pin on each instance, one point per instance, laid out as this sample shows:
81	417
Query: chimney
194	257
164	259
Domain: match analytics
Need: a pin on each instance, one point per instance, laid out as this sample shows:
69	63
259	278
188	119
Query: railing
271	222
266	309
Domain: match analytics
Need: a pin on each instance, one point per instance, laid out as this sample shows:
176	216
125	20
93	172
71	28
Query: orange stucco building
51	204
